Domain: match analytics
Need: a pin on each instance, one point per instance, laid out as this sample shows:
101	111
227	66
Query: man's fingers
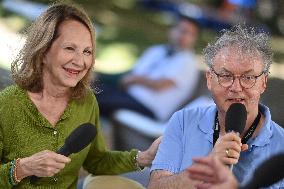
244	147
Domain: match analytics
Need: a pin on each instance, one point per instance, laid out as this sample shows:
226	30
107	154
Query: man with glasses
227	79
238	62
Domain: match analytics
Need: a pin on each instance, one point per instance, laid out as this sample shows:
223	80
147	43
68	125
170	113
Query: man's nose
236	85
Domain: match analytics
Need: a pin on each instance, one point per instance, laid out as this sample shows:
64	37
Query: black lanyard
247	135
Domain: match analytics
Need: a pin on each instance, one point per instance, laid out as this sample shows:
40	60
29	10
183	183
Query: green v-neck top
24	132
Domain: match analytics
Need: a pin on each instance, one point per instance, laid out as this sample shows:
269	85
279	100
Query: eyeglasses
227	80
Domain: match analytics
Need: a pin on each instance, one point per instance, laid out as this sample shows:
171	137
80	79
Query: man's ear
264	83
208	79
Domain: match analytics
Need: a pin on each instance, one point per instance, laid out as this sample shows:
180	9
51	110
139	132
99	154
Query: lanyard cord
246	137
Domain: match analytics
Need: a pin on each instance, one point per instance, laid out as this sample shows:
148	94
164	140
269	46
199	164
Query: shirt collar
207	121
265	133
206	125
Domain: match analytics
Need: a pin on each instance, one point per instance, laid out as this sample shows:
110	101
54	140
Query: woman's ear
44	58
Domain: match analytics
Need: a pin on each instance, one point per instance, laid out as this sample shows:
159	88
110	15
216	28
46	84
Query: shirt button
55	179
55	132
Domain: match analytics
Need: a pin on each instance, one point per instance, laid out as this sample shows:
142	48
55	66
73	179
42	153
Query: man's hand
228	148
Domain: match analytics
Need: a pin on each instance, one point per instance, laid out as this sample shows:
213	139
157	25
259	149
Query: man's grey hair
246	39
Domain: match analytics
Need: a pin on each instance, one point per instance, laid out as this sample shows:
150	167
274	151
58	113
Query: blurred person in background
163	78
51	98
239	7
239	62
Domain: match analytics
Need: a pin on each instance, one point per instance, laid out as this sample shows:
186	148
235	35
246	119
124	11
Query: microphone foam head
81	137
236	118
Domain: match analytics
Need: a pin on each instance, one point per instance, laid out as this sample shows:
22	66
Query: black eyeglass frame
234	77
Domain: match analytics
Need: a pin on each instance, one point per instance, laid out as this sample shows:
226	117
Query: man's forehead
231	58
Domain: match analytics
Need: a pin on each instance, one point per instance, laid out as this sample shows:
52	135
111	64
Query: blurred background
126	27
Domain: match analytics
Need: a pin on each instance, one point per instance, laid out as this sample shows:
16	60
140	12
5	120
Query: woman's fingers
43	164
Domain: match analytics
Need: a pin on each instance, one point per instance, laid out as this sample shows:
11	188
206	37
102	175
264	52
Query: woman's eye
69	48
87	52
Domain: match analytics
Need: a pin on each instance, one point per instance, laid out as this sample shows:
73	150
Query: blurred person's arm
155	84
144	65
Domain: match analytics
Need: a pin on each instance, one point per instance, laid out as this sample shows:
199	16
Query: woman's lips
72	71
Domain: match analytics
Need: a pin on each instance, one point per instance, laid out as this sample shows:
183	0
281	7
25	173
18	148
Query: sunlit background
126	27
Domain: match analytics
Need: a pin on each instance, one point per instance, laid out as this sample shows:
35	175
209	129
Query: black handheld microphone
80	138
235	119
268	173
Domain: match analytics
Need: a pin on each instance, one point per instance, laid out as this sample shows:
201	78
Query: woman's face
70	56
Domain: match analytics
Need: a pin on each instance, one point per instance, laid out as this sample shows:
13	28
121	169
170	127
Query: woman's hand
228	148
42	164
145	158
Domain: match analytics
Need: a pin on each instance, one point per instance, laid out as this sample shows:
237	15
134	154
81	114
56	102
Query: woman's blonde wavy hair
27	67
